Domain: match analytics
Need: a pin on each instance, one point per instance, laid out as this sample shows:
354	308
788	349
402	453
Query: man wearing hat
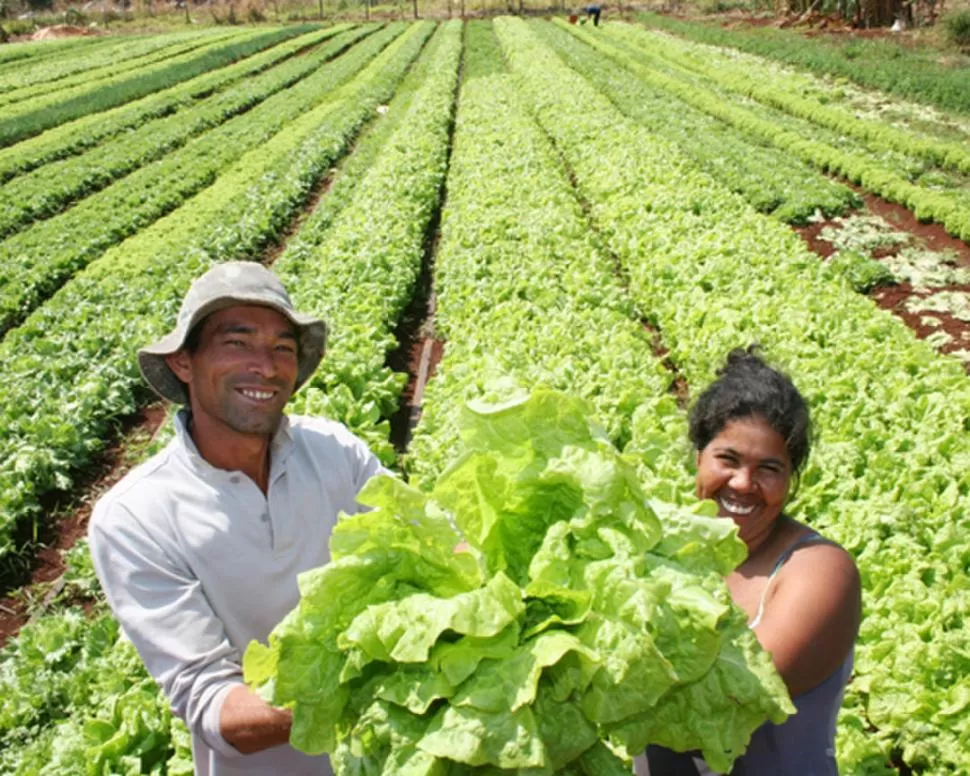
198	549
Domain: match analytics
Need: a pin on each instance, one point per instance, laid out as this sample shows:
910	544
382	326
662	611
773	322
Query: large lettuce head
583	621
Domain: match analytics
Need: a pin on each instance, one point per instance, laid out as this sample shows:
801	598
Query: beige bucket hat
227	285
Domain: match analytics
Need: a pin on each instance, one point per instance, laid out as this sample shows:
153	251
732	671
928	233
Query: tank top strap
812	538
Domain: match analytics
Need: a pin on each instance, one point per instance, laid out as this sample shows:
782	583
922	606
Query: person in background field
801	592
198	549
593	12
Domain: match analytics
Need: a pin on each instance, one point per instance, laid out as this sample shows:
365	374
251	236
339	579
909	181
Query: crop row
71	365
51	188
52	60
741	78
887	66
87	131
36	261
127	59
524	295
15	55
939	206
364	272
889	479
35	116
767	177
56	702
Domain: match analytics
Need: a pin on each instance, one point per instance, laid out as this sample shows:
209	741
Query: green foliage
889	477
88	131
31	117
22	84
393	201
957	25
860	271
57	185
740	78
35	262
570	635
945	207
71	363
768	178
878	65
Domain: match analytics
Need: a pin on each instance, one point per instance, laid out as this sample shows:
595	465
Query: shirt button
234	479
264	517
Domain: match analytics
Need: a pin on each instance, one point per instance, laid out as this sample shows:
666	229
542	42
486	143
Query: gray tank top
803	744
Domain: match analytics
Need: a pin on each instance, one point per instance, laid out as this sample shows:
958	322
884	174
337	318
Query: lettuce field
479	207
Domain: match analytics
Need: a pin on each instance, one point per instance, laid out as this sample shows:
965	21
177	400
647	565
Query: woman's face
746	470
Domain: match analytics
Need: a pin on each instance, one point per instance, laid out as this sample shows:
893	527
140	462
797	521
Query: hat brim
311	334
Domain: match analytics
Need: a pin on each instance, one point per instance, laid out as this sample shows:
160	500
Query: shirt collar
280	447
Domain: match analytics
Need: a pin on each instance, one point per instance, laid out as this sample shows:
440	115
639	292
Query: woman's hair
746	386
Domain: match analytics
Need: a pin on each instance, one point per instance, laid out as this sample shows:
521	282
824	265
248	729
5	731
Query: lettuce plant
582	622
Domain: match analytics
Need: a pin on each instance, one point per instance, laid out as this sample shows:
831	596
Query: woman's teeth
736	509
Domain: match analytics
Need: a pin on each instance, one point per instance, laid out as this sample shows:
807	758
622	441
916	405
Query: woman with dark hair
752	433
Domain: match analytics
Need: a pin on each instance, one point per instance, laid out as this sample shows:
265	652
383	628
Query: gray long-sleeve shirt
195	562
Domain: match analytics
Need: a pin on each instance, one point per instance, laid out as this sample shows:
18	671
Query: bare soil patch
894	298
62	31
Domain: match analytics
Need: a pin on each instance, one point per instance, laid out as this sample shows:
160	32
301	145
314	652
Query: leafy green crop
571	634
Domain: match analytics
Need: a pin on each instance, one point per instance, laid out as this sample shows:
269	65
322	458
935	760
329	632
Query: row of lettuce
659	63
53	187
37	82
36	261
889	479
79	698
527	288
887	65
69	364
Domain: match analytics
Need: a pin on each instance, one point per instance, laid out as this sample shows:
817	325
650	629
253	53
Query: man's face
243	371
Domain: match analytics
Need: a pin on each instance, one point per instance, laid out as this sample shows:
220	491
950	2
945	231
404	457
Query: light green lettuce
582	622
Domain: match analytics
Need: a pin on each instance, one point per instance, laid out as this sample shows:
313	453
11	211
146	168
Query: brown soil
59	535
810	25
934	236
893	298
62	31
275	249
678	387
419	350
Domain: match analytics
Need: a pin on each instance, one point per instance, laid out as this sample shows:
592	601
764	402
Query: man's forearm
252	725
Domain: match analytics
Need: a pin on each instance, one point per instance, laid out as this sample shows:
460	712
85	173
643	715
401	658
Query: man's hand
252	725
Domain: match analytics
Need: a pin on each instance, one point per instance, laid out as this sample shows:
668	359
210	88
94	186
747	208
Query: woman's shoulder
808	550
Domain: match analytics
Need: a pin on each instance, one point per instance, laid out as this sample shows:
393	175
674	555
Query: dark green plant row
15	55
945	208
59	705
363	274
35	116
87	131
889	478
35	262
71	367
40	81
744	79
889	67
523	291
55	186
61	56
766	176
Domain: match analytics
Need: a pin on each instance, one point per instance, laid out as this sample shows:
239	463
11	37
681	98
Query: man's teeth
258	395
736	509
